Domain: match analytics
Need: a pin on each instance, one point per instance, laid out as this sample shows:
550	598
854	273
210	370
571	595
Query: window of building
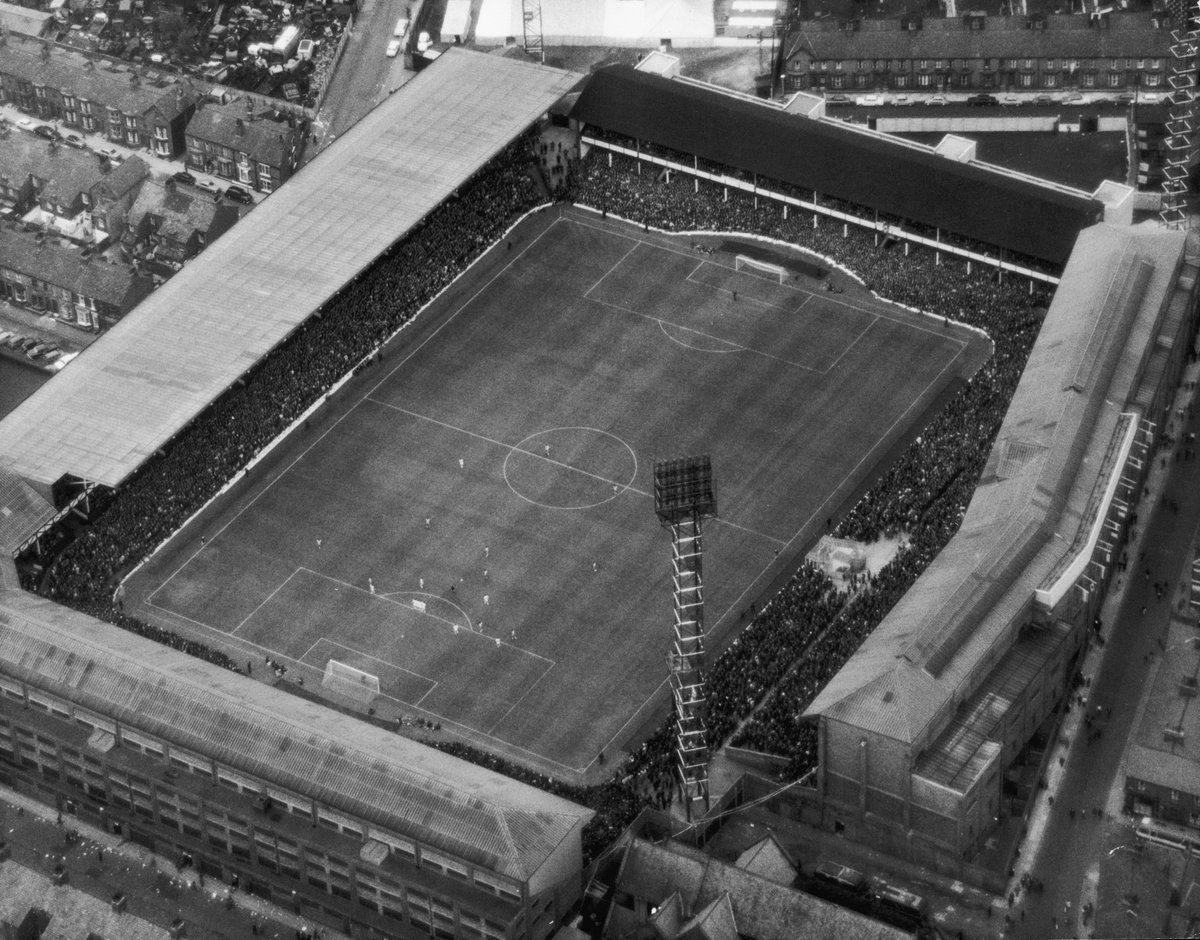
1050	81
922	63
901	81
1153	80
1118	63
924	80
1025	81
1088	80
1174	796
1115	79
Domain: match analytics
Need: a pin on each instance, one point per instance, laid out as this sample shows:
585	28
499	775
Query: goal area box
347	680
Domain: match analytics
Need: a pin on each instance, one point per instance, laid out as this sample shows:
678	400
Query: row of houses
1115	52
85	239
154	111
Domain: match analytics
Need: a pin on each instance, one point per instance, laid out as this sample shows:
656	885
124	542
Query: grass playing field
496	470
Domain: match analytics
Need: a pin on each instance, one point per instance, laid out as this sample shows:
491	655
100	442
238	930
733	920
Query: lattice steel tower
1185	42
683	497
531	14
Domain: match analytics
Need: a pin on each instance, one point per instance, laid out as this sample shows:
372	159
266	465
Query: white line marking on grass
825	295
383	662
515	447
823	508
739	347
262	603
614	267
748	531
833	365
490	731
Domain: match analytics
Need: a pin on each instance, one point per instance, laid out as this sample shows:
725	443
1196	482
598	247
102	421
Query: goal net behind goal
348	680
756	266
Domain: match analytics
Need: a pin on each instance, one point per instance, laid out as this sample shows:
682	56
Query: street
1074	843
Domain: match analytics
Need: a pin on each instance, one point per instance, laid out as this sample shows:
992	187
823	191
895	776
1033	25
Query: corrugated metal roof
1025	512
153	372
383	778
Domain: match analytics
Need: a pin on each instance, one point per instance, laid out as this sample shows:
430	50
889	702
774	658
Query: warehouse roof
152	373
833	158
1036	492
345	763
1164	747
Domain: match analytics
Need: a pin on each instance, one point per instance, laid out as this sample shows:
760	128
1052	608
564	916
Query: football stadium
374	476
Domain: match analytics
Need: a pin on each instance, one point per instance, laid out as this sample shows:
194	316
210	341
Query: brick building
224	139
356	826
1113	52
169	224
95	96
41	273
69	192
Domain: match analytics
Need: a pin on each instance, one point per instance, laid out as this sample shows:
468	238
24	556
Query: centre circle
570	468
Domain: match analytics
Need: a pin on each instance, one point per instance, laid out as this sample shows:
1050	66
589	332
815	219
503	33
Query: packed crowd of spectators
761	684
223	438
808	631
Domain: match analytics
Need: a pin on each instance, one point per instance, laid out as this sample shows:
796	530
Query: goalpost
744	263
344	678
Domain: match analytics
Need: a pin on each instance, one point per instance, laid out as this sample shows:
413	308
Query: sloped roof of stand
1033	497
142	382
836	159
345	763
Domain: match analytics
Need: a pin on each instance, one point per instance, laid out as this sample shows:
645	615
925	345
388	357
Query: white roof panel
138	385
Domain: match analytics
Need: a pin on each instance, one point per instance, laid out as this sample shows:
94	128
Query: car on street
74	140
1073	97
48	132
239	194
183	176
208	186
838	100
938	101
393	47
902	101
1126	98
869	101
1044	101
111	154
1009	101
983	101
26	124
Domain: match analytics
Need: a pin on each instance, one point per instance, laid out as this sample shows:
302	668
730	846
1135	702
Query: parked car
45	130
938	101
74	140
208	186
13	340
5	335
838	100
902	101
27	343
1126	98
183	176
869	101
983	101
1043	101
36	350
239	194
26	124
393	47
1009	100
111	154
1073	97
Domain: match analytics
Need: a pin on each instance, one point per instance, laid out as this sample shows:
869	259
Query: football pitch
472	521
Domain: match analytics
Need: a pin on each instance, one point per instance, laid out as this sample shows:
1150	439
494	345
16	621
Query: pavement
100	864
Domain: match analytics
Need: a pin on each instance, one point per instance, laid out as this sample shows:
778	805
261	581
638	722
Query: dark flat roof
834	159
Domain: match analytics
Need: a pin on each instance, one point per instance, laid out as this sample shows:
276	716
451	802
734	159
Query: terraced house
1116	52
227	140
96	96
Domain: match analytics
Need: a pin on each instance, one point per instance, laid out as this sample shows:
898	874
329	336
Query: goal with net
348	680
756	266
